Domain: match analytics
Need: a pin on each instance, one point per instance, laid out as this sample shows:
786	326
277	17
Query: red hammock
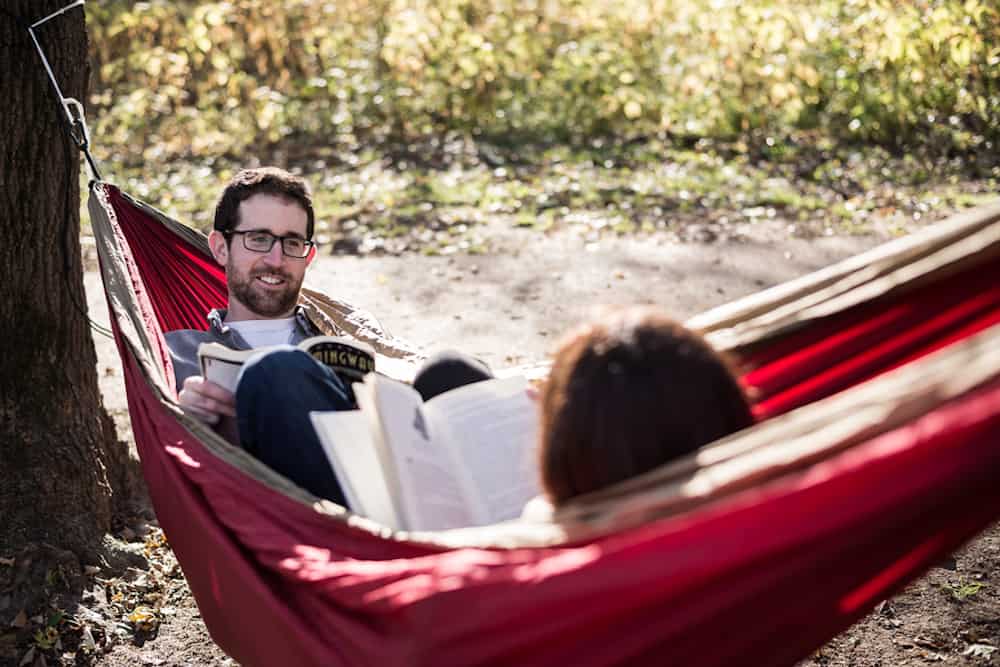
763	575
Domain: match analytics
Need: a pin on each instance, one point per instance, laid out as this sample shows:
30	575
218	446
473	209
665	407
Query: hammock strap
72	110
72	113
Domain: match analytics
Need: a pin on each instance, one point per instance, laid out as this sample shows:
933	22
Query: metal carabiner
72	109
78	122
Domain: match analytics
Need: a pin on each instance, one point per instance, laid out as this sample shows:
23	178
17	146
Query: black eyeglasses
257	240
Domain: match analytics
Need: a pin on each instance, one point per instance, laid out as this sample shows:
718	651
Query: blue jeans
279	387
276	391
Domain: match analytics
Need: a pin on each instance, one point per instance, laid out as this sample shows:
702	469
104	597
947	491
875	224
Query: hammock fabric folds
754	551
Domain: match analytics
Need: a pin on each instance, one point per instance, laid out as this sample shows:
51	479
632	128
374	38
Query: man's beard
244	287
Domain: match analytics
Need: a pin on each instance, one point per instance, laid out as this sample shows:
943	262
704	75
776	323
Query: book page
430	496
492	427
347	442
402	370
220	371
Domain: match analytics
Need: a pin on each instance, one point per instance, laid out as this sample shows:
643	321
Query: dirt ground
508	307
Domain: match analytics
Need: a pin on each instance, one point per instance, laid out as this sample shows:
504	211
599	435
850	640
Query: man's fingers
206	409
206	400
221	401
216	407
208	388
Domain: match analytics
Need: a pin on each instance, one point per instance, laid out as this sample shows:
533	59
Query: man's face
262	285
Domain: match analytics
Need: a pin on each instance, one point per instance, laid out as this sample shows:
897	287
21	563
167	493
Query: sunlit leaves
204	78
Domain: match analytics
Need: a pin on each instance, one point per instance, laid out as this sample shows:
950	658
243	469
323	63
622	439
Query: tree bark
60	462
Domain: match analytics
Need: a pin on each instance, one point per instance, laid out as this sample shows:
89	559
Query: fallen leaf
28	658
980	651
20	620
47	638
143	618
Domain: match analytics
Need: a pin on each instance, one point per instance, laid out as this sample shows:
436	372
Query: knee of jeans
448	370
274	364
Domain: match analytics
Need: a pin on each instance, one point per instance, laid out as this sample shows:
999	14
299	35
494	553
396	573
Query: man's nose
274	256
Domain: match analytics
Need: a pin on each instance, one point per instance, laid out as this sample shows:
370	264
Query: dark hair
628	393
262	180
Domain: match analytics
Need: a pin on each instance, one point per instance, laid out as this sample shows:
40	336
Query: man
262	235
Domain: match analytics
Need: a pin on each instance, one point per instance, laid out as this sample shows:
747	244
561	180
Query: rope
76	127
72	110
58	12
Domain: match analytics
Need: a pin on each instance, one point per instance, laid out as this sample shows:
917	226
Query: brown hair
262	180
628	393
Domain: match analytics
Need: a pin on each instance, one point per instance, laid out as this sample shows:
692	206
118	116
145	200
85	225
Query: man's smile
271	279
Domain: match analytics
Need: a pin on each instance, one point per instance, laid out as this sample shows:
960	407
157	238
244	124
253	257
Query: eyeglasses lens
263	242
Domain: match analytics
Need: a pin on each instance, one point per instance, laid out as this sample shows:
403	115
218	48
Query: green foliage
962	589
185	78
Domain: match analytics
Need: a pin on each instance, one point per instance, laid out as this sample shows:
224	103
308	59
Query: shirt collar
217	321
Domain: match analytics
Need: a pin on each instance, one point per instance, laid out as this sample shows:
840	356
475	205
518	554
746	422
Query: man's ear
219	246
311	256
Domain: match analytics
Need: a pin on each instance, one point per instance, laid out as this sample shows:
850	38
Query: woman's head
627	393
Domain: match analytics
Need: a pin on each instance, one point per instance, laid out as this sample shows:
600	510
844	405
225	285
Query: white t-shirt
264	333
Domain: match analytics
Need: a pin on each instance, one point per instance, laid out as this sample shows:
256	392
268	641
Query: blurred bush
184	78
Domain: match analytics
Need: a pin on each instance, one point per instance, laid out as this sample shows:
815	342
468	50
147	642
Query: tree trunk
60	463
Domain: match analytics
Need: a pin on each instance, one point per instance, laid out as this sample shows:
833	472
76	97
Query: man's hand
206	400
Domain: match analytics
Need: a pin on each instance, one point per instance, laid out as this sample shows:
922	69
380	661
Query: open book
351	359
463	458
